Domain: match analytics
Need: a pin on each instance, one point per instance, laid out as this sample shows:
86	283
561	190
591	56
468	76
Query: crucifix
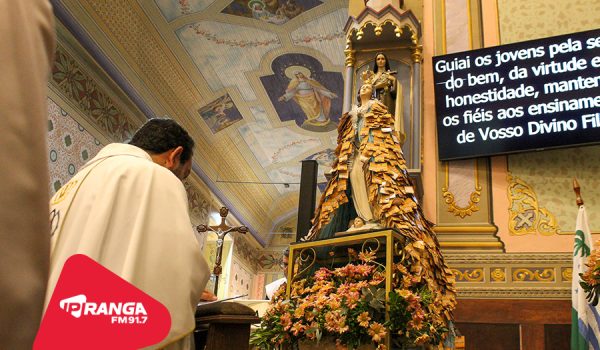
221	230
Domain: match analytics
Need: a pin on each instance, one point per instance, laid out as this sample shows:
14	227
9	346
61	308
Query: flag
585	319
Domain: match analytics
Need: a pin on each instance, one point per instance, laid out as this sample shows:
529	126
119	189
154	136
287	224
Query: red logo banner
93	308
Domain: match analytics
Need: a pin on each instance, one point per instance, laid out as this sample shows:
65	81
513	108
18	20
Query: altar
376	288
386	245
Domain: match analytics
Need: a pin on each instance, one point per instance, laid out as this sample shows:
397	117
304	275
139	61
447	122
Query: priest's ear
174	157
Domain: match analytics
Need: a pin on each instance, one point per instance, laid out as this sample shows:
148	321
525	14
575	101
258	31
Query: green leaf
580	244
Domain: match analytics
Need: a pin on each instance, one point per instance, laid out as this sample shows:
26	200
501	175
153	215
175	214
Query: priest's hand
207	296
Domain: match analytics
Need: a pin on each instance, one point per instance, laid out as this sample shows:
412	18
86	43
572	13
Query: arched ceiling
221	68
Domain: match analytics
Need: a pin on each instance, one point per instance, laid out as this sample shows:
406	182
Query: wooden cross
221	230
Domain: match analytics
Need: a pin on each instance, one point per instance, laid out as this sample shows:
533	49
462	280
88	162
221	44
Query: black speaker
308	197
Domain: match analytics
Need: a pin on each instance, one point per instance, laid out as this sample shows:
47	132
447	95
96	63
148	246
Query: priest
127	209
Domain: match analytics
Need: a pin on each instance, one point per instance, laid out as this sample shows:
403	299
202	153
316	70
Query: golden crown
367	76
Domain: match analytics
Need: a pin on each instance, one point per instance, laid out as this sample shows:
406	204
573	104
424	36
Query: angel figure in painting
313	98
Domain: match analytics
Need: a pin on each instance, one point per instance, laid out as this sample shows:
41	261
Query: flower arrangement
348	305
590	279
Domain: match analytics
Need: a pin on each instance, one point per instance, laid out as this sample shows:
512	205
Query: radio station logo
91	302
128	312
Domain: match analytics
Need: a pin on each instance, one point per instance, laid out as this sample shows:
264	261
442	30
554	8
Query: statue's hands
380	85
207	296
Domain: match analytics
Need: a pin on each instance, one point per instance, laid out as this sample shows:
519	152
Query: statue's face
380	59
366	90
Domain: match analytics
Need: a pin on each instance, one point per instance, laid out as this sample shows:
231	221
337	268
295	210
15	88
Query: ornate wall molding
449	197
512	275
468	275
79	87
526	216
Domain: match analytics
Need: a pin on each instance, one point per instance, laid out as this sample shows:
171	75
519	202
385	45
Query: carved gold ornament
349	53
525	214
468	275
474	198
567	274
378	29
533	275
417	54
498	275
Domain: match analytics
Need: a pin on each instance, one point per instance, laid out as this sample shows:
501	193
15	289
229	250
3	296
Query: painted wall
70	146
545	178
530	198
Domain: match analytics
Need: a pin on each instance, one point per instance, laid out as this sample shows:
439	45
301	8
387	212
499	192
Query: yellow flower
299	312
377	332
363	319
404	293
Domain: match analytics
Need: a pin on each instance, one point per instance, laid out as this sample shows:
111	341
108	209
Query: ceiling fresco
270	11
257	82
173	9
220	113
300	78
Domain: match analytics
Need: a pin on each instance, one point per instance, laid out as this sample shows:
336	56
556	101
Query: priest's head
168	144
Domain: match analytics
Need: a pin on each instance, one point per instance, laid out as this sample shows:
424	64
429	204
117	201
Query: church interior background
221	67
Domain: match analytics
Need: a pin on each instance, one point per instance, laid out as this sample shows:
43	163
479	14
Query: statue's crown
367	76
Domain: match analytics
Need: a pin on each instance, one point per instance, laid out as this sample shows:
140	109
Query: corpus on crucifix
221	230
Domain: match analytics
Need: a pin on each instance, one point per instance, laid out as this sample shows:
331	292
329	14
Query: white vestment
131	215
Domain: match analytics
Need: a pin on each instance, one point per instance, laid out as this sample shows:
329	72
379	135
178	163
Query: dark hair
387	62
159	135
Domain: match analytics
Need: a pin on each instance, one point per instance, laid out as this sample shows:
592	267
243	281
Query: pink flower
322	274
378	277
335	322
298	328
286	321
364	270
367	257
